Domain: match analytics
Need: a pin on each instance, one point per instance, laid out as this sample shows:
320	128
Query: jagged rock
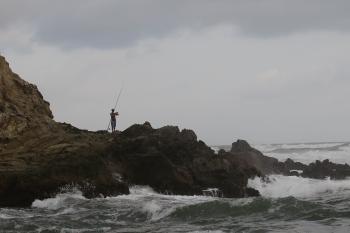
243	151
173	161
22	106
240	146
321	170
291	168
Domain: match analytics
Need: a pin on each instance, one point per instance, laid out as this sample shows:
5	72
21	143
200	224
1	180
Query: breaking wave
308	153
279	186
60	201
284	199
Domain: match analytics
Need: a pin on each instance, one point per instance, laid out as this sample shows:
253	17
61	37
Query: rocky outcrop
40	157
316	170
324	169
22	107
242	151
173	161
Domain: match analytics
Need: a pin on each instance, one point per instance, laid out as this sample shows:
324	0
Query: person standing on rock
113	119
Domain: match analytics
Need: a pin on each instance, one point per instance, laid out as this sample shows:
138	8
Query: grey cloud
108	23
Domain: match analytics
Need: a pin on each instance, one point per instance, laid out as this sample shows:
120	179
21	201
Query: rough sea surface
288	204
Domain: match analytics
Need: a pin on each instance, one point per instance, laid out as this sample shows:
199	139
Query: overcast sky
267	71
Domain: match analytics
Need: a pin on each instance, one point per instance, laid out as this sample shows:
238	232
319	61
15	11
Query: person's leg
113	126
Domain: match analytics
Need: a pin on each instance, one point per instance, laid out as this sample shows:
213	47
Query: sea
287	204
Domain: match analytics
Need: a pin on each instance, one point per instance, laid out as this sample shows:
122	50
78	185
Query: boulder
241	150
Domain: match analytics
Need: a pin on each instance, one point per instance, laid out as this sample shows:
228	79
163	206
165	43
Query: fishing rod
116	103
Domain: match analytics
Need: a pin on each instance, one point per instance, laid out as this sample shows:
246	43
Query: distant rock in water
40	157
267	165
321	170
243	151
240	146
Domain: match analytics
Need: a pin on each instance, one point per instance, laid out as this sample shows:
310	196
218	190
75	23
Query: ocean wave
337	152
155	205
265	209
271	147
280	186
147	211
60	201
207	231
342	155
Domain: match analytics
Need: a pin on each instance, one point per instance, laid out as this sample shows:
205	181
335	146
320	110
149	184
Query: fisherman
113	119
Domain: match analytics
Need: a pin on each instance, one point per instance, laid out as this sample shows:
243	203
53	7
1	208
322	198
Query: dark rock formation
39	157
321	170
267	165
243	151
173	161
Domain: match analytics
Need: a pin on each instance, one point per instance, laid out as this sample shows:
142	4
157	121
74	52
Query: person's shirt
113	114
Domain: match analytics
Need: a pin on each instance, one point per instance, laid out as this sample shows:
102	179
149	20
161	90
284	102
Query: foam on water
270	147
338	152
308	153
58	202
208	231
340	156
155	205
147	211
141	190
156	210
284	186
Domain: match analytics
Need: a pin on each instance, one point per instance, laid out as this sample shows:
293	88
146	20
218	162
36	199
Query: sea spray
279	186
308	153
61	200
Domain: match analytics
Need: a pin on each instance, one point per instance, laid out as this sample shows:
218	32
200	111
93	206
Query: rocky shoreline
40	157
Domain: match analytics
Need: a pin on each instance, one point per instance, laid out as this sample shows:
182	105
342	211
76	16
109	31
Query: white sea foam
58	202
308	153
156	210
7	216
342	155
284	186
8	213
270	147
208	231
141	190
70	230
154	204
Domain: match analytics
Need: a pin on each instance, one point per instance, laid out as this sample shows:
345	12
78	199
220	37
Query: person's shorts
113	124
